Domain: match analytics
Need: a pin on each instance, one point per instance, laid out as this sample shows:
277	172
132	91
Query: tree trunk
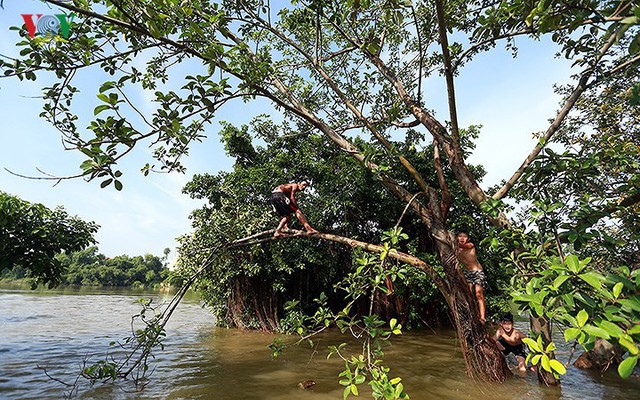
482	357
603	356
251	305
542	326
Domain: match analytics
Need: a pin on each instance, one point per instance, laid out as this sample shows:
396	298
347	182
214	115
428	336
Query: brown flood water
58	329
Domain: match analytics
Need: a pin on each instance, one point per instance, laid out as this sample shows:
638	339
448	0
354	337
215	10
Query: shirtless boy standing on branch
284	203
473	272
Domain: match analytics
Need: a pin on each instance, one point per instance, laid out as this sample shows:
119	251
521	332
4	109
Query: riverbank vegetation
44	246
88	267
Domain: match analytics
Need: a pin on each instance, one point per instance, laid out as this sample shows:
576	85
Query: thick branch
266	236
303	112
454	155
448	72
445	202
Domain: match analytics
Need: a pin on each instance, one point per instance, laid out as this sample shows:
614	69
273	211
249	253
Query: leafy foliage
590	306
343	200
31	235
147	334
90	268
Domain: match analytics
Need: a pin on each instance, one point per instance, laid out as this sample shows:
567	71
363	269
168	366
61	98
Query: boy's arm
496	337
467	245
293	197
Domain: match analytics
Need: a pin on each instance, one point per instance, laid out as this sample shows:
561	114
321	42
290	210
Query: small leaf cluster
542	356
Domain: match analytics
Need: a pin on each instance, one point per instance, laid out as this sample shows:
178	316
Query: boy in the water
473	271
509	340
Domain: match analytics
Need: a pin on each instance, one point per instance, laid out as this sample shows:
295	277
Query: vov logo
45	24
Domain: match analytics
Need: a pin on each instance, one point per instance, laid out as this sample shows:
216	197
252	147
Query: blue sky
511	98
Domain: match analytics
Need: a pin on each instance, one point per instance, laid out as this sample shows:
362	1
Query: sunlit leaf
626	366
557	366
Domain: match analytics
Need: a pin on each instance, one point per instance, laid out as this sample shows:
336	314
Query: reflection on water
58	329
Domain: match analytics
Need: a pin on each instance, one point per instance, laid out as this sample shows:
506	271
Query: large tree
333	68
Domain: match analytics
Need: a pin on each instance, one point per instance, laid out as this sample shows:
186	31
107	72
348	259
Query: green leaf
629	345
395	381
571	333
586	299
568	298
595	331
582	318
346	392
611	328
617	289
354	389
118	185
545	362
560	280
106	183
626	366
592	278
532	345
632	303
557	367
536	359
572	263
103	97
399	390
100	109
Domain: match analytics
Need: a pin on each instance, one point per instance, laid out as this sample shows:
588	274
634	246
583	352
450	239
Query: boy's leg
283	223
481	305
521	364
304	222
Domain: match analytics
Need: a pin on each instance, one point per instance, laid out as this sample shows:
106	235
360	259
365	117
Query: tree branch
332	84
266	236
448	72
445	199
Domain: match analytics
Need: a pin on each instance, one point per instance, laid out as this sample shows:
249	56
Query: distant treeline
90	268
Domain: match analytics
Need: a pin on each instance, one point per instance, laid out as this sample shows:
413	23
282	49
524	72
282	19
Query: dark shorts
517	350
282	204
476	277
